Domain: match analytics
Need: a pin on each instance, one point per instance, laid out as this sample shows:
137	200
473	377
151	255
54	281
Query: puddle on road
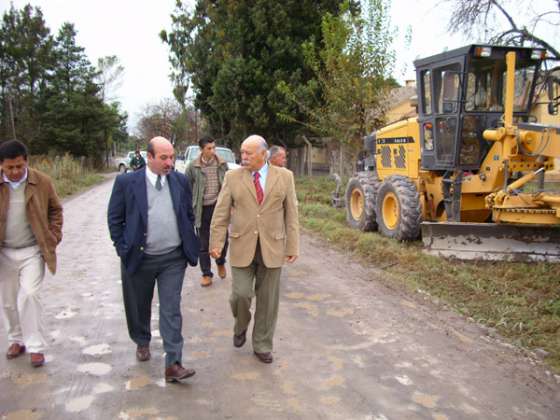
404	380
340	313
102	388
317	297
79	404
66	314
403	365
288	388
246	376
425	400
221	333
295	405
26	379
97	369
78	339
329	400
310	308
97	350
138	412
332	382
32	414
137	383
338	363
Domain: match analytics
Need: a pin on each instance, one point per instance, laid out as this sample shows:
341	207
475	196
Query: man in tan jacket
30	230
258	203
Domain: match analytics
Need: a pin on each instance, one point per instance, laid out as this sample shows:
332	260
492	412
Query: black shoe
264	357
239	340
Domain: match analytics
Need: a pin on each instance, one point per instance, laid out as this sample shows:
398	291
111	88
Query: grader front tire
360	204
398	209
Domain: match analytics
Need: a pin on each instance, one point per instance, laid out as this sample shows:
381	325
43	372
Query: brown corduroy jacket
44	213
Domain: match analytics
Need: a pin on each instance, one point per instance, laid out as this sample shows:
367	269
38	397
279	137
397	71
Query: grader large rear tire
398	209
360	202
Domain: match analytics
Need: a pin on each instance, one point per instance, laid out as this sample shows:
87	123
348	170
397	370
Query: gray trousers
138	290
264	283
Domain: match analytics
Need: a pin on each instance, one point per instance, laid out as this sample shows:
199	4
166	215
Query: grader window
486	84
446	88
427	92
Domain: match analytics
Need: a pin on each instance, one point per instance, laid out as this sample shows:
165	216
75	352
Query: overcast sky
129	29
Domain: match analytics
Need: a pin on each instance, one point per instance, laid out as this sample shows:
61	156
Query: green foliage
234	54
352	74
520	300
49	97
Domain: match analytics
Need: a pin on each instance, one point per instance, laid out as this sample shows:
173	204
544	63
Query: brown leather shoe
222	272
143	353
176	372
239	340
15	350
37	359
264	357
206	281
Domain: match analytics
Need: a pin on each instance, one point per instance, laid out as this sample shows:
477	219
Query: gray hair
274	150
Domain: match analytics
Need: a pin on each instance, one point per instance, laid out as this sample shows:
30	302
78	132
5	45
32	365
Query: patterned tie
258	188
158	183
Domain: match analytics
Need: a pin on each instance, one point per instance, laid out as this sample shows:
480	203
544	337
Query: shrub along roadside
69	175
520	300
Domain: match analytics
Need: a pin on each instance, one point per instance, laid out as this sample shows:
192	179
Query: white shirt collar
15	184
153	177
263	172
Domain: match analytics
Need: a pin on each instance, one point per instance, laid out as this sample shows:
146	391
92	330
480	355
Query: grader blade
493	242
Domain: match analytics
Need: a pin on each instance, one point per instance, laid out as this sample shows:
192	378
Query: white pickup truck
193	151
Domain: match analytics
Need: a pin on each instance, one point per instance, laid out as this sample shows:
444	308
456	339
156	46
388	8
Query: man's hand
215	253
291	258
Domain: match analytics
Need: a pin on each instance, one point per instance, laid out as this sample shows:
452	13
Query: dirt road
347	347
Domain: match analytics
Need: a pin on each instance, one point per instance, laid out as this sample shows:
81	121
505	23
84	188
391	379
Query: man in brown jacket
30	230
258	203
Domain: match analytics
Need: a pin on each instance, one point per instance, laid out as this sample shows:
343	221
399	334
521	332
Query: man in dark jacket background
151	224
206	174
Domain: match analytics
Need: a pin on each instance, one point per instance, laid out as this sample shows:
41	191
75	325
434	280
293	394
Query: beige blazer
274	223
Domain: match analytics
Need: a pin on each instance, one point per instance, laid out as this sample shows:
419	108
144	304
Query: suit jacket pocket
234	235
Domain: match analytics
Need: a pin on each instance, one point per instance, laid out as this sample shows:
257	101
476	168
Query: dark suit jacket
128	217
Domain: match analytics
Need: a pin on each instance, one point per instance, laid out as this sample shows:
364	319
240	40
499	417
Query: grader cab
468	173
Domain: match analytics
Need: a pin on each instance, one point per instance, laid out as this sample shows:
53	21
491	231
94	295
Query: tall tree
352	68
510	23
26	62
234	54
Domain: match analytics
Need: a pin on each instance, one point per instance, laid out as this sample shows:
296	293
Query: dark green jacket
137	162
198	182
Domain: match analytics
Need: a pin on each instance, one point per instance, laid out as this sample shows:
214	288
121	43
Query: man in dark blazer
151	219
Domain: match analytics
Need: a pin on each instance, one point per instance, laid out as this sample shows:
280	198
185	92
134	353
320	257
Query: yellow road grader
467	174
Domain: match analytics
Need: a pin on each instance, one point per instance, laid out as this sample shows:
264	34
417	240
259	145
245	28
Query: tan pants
261	282
21	276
